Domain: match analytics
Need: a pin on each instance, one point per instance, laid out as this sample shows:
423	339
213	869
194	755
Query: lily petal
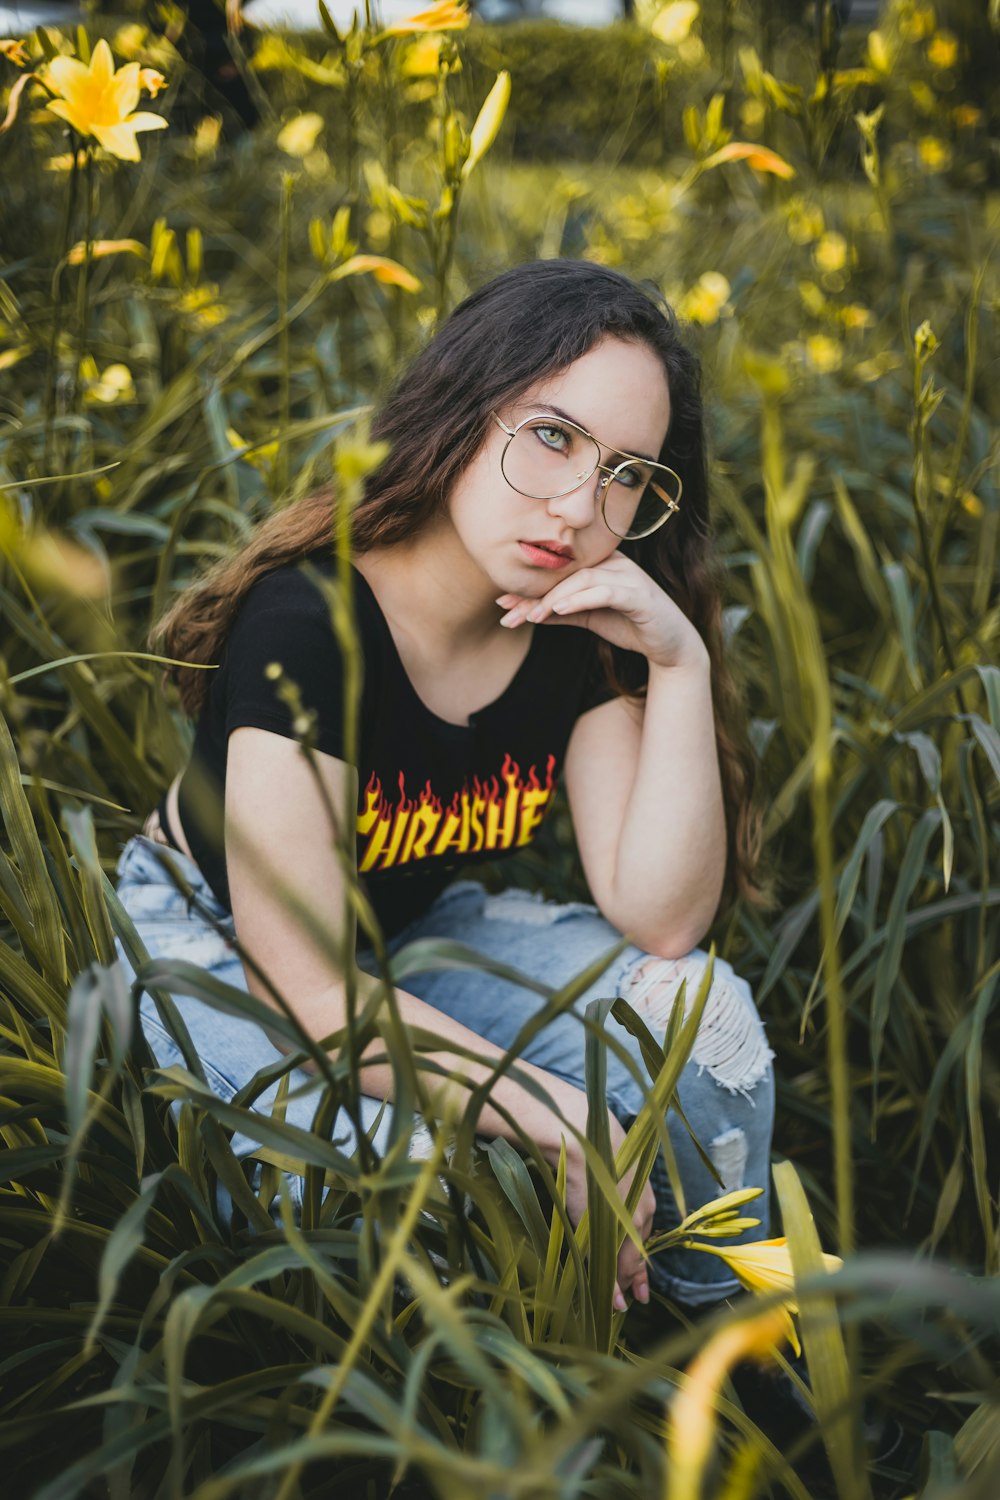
390	272
102	64
144	119
488	121
443	16
761	158
121	94
152	81
72	114
119	140
65	74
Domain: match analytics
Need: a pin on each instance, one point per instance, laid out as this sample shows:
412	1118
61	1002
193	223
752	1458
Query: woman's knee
726	1088
730	1045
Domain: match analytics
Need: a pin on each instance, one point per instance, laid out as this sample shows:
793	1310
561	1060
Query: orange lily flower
445	15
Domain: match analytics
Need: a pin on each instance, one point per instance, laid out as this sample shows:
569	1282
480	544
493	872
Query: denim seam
211	1072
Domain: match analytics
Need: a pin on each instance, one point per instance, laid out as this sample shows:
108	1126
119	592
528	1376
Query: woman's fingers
632	1274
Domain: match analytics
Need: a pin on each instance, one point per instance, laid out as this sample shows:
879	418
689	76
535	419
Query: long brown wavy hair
516	331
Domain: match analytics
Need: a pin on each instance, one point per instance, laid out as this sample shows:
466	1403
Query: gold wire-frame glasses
627	473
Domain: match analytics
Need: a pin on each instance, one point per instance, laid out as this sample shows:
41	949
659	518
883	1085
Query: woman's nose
581	506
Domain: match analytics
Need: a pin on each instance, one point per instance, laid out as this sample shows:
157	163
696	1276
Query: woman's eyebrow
625	453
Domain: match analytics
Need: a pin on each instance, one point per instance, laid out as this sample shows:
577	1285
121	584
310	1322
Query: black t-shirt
432	796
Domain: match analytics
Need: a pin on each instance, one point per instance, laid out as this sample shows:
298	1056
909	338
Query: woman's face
618	393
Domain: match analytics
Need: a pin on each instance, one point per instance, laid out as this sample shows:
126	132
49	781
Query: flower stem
57	307
84	282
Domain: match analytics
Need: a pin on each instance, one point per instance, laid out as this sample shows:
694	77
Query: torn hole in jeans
730	1043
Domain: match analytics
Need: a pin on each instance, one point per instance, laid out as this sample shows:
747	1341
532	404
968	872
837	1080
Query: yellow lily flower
488	122
389	272
14	51
101	248
52	561
445	15
691	1419
706	299
765	1266
298	136
152	81
761	158
98	100
673	23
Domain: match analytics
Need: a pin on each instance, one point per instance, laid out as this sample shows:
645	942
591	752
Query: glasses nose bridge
584	487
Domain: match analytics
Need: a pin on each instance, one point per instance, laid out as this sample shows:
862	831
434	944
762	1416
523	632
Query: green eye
552	437
631	478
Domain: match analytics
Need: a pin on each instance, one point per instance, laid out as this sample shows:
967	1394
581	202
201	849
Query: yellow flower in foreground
206	135
855	315
445	15
805	220
14	51
916	22
824	353
98	101
830	253
753	113
260	455
933	153
389	272
201	304
942	50
299	135
874	369
761	158
63	162
488	122
691	1418
153	82
706	299
673	23
11	357
423	57
765	1266
52	561
100	248
879	55
107	388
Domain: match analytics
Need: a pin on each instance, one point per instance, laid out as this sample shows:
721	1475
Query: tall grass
435	1322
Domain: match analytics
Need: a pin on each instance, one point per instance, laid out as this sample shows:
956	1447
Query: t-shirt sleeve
285	619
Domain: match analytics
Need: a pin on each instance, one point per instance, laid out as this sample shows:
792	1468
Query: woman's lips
541	556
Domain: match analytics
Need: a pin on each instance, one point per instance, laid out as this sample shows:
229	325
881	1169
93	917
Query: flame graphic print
500	813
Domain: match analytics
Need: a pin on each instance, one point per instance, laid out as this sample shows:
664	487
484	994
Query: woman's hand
633	1274
620	603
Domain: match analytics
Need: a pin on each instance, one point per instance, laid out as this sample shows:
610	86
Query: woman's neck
430	590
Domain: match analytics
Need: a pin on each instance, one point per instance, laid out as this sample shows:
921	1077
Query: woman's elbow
665	931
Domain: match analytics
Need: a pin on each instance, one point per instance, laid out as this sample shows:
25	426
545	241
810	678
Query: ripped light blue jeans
726	1088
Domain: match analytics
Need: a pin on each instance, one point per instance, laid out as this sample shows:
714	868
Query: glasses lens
546	458
638	499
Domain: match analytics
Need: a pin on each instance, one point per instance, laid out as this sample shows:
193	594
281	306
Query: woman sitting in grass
536	594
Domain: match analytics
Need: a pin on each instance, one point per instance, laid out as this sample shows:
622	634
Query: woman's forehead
617	390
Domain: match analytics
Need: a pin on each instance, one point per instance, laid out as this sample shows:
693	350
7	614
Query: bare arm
646	798
643	782
277	830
